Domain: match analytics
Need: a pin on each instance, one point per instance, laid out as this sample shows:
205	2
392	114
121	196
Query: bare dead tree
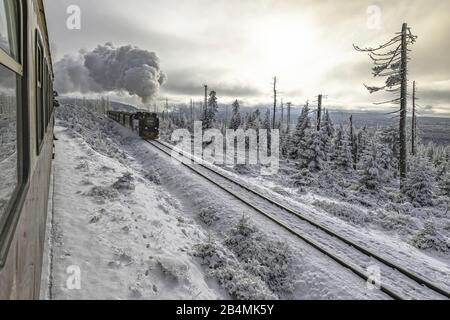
319	111
274	102
353	144
391	62
289	106
414	122
205	106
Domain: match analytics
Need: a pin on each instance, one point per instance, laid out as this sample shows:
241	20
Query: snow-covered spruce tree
257	123
249	121
391	61
303	124
370	171
266	125
326	132
444	184
340	152
390	151
327	124
419	186
236	119
363	142
209	117
310	154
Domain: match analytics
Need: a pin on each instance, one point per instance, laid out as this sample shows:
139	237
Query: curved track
412	281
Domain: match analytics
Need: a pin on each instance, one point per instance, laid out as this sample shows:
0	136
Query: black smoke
107	68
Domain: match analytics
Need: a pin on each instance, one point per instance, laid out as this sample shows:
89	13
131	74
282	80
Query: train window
39	94
8	137
8	28
44	98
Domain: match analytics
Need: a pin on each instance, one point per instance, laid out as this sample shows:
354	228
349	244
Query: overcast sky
236	47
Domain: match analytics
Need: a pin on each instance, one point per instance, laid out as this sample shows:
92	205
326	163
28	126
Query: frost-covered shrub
153	176
444	184
210	255
209	215
395	221
242	169
242	285
302	178
272	261
102	193
125	183
371	172
172	268
239	283
419	185
345	212
83	166
430	238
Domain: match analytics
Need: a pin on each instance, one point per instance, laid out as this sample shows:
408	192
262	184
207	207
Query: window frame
10	217
39	92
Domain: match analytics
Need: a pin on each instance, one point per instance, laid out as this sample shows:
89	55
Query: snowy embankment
118	228
137	226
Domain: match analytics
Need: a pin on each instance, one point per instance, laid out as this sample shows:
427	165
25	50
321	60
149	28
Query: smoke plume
107	68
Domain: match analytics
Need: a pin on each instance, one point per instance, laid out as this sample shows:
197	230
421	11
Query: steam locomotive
144	123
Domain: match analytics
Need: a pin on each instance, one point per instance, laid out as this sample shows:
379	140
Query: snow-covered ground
139	227
123	232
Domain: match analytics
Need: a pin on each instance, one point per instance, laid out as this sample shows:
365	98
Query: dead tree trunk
289	117
414	122
205	107
391	61
274	102
319	112
403	103
353	144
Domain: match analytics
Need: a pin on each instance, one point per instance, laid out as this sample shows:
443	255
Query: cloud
190	82
107	68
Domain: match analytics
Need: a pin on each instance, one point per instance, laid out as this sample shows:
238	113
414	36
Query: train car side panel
22	238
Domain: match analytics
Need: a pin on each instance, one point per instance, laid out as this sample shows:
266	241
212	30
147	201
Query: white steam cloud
108	68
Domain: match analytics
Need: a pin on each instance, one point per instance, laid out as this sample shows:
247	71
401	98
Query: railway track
344	251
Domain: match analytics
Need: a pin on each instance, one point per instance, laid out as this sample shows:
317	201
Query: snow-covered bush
153	176
222	266
101	194
444	184
242	169
125	183
272	261
209	215
345	212
302	178
311	153
370	171
419	184
430	238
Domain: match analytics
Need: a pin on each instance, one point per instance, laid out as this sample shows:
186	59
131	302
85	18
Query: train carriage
26	145
144	123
